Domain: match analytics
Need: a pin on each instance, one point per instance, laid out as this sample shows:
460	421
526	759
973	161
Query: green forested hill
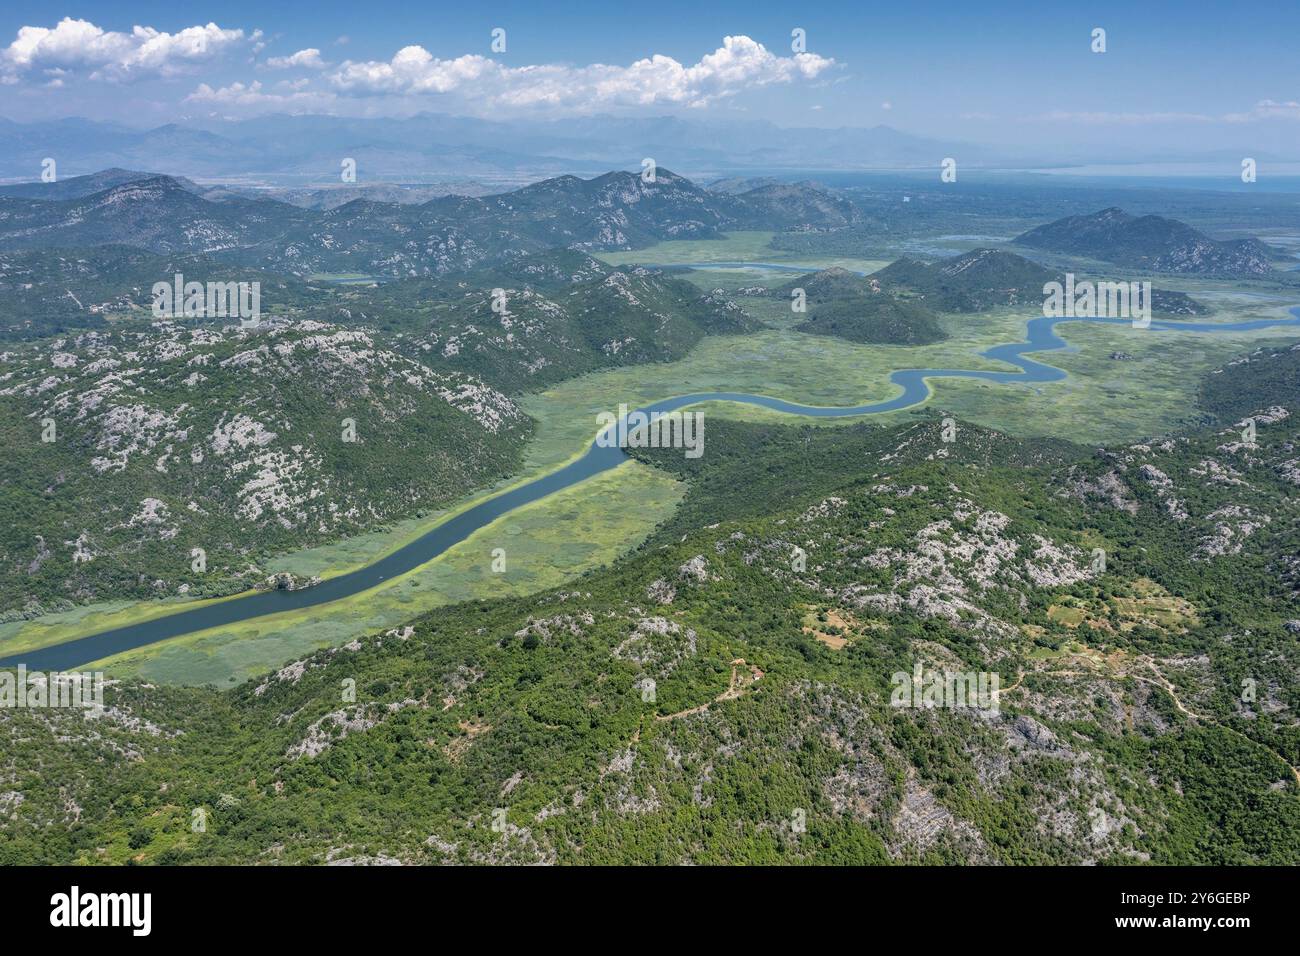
874	319
1154	243
1252	382
523	730
47	292
559	314
180	436
988	278
970	282
849	306
195	433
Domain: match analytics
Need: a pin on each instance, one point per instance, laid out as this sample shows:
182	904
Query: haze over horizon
1032	91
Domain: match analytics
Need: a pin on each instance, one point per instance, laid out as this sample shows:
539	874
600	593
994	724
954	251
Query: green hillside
848	306
523	731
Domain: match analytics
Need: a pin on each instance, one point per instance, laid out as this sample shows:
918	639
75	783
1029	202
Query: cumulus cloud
308	59
414	69
79	45
740	63
253	95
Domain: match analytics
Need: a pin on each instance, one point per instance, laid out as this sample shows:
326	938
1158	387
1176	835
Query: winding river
1040	337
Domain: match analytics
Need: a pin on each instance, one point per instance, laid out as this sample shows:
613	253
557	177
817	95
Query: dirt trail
1164	684
734	690
1159	680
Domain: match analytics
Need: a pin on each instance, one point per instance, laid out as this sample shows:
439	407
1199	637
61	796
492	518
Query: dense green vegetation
557	315
852	307
52	292
878	318
175	436
989	278
971	282
241	444
529	711
720	694
1252	382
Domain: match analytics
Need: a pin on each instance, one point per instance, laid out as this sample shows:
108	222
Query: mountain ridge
616	210
1151	242
987	278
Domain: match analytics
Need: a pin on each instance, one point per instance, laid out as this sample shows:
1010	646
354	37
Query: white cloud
413	69
479	83
308	59
79	45
739	64
1267	109
252	94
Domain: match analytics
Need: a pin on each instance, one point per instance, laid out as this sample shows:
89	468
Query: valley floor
1123	384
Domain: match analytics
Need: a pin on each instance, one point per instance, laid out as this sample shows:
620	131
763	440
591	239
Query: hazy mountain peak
1150	242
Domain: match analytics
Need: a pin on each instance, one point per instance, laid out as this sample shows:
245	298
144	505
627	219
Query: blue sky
1186	74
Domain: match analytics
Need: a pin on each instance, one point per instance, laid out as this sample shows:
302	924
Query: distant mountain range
116	232
428	147
619	210
1151	243
324	197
